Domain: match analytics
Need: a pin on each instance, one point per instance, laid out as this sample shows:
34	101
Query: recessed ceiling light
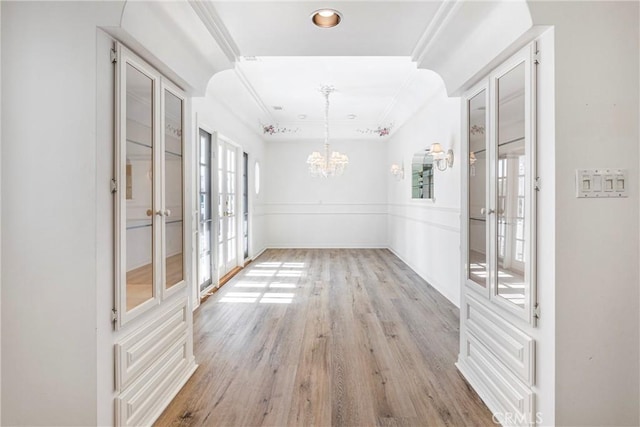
326	18
277	107
302	116
351	116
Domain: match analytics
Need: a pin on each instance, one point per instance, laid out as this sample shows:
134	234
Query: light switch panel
601	183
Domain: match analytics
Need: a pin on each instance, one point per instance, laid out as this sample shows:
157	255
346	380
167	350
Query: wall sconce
441	159
397	171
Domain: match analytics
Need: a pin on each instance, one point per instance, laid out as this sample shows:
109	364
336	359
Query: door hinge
114	315
537	184
536	53
536	311
114	186
114	56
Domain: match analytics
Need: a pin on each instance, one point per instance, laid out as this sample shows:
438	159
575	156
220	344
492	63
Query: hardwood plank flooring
342	337
139	280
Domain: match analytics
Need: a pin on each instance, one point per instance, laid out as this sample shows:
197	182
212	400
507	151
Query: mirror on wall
422	175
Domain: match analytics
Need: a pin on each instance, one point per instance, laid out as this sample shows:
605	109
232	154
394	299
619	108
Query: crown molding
447	9
209	17
252	92
384	117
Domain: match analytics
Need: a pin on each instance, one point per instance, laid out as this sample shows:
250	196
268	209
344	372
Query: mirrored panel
477	168
173	200
422	175
510	180
139	187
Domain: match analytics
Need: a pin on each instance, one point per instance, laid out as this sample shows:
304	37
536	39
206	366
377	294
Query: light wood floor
139	280
326	337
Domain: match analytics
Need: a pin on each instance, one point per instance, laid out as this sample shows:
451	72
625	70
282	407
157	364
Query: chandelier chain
331	163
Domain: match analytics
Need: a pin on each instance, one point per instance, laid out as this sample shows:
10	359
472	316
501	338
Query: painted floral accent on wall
273	129
380	131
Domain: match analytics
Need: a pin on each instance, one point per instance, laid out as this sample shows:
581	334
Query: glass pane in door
512	174
245	205
205	253
227	230
139	193
477	164
173	213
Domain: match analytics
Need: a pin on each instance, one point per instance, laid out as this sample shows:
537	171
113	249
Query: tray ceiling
282	60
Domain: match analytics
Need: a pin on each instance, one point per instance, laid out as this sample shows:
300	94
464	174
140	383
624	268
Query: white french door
227	207
149	165
206	222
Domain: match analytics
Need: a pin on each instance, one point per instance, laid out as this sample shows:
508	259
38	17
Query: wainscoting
327	225
427	238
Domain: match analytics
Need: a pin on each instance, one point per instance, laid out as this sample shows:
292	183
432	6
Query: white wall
345	211
426	234
0	212
596	244
49	214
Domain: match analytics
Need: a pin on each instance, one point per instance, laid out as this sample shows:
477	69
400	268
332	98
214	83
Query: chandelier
329	163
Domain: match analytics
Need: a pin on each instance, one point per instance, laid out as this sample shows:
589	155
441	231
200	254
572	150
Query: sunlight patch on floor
261	282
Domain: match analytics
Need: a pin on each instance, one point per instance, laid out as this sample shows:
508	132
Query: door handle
485	211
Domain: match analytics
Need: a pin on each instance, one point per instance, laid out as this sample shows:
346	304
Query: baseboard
511	406
477	385
429	280
176	389
316	246
253	258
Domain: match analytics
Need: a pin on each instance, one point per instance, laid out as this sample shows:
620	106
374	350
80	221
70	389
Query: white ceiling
283	59
373	28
